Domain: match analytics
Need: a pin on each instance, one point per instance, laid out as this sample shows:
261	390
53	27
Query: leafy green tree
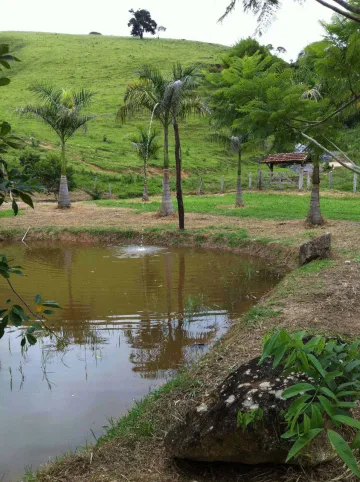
141	22
61	111
266	9
146	148
260	99
161	29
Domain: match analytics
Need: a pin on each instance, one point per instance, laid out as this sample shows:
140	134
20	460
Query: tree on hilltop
141	22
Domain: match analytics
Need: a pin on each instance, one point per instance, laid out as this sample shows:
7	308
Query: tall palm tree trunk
64	198
179	195
314	216
239	201
166	207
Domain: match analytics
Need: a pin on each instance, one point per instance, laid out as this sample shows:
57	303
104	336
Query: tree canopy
266	9
141	22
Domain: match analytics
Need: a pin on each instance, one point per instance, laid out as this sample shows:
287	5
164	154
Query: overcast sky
190	19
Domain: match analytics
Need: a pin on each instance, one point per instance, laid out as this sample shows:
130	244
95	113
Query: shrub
324	402
48	171
28	160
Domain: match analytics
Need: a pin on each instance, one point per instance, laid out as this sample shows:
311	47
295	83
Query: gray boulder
317	248
211	433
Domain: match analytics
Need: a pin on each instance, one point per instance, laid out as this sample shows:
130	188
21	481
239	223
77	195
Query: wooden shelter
286	158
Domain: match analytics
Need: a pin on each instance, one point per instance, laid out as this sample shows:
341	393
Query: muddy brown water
131	316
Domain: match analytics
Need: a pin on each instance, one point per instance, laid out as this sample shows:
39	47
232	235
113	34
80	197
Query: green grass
315	266
106	65
8	213
258	313
258	205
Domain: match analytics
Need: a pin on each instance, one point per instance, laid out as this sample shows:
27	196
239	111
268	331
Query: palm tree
153	93
60	109
184	101
314	216
146	147
147	94
235	142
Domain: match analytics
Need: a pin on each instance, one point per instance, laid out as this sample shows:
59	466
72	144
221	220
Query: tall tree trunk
314	216
179	195
145	196
166	207
64	198
239	201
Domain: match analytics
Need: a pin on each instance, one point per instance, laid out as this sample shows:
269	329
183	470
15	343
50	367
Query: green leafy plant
246	418
330	369
15	314
16	185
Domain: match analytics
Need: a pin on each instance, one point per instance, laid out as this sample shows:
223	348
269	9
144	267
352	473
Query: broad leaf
347	421
302	442
344	451
296	389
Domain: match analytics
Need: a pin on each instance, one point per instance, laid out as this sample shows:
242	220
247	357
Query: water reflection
128	320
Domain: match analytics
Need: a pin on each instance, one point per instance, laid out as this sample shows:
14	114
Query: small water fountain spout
145	193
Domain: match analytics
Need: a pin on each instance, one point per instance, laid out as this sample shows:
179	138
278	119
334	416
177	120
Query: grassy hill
106	65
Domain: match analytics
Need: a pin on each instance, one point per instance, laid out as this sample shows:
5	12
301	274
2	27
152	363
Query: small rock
317	248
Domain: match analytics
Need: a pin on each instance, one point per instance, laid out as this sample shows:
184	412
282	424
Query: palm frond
47	93
82	98
60	109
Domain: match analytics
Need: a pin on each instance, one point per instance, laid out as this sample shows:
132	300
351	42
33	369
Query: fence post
110	193
330	179
200	186
355	182
308	184
259	179
222	184
250	180
301	178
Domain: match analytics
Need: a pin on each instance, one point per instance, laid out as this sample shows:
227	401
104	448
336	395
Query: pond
131	318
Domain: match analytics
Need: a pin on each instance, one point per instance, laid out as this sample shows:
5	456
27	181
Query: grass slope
105	65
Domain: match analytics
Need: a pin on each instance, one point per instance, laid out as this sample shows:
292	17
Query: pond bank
322	297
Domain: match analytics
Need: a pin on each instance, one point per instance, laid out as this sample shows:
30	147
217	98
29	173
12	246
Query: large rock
211	433
317	248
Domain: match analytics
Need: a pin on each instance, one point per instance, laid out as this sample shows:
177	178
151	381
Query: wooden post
110	193
250	180
200	186
259	179
330	179
271	176
301	178
308	182
222	184
355	182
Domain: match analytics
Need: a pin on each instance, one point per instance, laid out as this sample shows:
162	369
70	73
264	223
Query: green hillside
106	65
